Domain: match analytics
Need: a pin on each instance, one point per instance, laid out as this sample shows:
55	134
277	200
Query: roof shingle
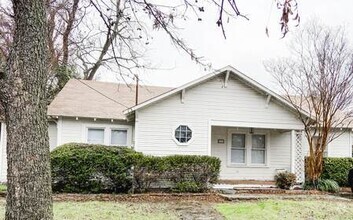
94	99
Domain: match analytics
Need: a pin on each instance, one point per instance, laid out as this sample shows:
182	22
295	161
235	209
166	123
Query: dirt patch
197	211
148	197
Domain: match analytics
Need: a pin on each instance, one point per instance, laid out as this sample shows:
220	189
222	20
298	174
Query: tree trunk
24	97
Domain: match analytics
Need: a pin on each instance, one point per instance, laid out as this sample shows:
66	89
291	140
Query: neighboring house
254	131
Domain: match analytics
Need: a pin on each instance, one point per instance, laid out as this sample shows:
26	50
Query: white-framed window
248	149
95	135
107	134
183	134
118	137
238	150
258	149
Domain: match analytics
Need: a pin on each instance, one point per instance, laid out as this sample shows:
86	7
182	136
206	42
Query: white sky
246	46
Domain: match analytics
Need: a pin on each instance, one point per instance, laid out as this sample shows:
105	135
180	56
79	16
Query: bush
85	168
328	186
285	180
188	186
184	173
337	169
147	170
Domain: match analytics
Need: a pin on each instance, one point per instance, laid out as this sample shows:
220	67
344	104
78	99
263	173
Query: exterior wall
72	130
237	103
3	161
278	154
52	132
339	147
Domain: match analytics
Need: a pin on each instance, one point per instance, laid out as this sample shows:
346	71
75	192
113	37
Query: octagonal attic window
183	134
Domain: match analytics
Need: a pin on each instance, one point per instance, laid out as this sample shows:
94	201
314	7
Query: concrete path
244	197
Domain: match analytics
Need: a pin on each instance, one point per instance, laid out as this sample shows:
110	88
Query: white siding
72	130
52	132
3	162
279	155
237	102
339	147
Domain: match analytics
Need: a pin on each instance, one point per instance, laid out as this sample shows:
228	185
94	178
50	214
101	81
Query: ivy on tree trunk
23	96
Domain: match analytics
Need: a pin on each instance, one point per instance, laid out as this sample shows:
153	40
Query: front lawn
266	209
284	209
108	210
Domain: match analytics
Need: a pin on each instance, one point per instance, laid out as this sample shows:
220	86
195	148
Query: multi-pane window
118	137
258	149
238	151
183	134
95	136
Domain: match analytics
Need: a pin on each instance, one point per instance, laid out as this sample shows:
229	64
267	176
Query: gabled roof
252	83
94	99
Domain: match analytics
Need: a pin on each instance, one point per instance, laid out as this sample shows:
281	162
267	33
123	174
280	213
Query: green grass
284	209
108	210
3	187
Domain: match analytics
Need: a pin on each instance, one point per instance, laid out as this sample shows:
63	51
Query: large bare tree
318	78
86	36
37	41
23	96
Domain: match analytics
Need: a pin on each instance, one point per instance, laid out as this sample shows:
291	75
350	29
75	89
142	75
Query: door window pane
119	137
95	136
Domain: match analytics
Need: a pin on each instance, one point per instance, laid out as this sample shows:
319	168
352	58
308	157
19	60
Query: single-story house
254	131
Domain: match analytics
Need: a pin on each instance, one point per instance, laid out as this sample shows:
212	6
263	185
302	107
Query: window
95	136
238	148
183	134
118	137
258	149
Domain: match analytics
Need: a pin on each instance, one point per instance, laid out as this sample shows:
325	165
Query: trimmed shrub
350	179
328	186
87	168
189	186
147	170
337	169
285	180
182	173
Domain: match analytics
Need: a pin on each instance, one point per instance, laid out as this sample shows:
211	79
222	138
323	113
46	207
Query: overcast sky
246	46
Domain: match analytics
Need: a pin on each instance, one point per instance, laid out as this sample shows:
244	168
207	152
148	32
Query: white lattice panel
299	157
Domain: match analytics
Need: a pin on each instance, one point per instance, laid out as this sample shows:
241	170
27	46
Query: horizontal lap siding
238	102
339	147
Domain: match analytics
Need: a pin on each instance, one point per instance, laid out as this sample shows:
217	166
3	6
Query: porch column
297	156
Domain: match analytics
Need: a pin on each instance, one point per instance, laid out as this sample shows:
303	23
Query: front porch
257	154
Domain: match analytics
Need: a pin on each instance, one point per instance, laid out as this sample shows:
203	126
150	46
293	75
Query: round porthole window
183	134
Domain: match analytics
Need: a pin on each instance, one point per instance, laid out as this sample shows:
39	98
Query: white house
254	131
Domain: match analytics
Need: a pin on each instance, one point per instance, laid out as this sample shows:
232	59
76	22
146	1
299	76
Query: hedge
185	173
337	169
84	168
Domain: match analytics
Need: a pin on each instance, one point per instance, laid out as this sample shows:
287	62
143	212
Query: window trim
192	134
248	148
107	132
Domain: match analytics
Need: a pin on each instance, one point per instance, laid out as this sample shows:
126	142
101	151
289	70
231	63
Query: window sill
247	166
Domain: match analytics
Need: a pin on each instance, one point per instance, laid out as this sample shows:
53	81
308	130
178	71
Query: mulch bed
147	197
